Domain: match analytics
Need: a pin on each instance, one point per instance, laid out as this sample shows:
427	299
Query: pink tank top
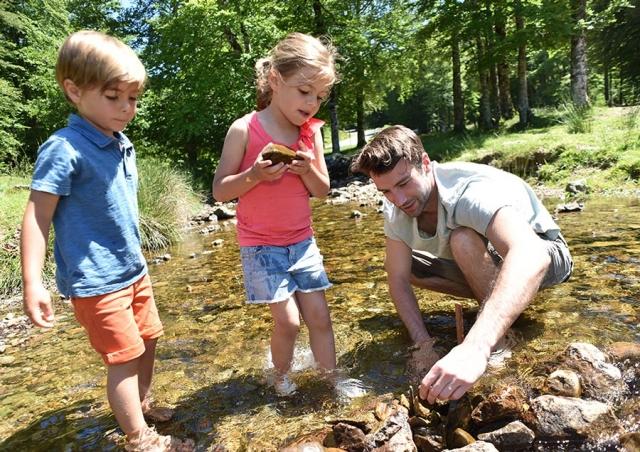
278	212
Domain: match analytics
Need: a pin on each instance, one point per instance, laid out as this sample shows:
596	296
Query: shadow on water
212	361
82	426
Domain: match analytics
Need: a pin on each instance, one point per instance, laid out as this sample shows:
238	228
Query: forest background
473	77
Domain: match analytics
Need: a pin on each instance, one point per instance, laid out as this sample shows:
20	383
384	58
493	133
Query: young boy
85	181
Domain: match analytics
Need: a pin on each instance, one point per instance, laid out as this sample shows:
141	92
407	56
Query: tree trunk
332	104
620	97
458	98
524	113
360	118
607	83
494	98
579	94
484	109
504	85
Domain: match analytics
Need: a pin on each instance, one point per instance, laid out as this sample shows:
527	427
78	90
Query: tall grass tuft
578	119
166	200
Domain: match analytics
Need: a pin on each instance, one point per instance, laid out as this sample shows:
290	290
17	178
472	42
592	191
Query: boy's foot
148	440
156	414
284	386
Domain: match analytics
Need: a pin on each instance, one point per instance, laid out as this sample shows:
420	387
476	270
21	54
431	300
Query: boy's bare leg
286	319
145	369
124	396
145	375
315	313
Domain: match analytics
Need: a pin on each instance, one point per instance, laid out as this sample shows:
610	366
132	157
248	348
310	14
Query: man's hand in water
454	374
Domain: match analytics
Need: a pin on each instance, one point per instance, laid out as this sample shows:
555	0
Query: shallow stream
211	362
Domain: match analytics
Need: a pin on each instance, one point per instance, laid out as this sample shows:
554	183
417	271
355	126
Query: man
463	229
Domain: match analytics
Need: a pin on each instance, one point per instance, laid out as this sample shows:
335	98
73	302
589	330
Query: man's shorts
425	264
273	273
118	323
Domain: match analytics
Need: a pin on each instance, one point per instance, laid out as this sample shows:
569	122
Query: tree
579	93
31	32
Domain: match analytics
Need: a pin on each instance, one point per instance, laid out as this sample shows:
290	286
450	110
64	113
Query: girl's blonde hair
297	51
93	59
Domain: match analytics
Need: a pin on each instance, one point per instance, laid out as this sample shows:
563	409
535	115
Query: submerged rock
478	446
513	436
508	402
563	417
621	351
564	383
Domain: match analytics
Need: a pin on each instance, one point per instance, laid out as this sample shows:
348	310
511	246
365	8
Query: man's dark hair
386	149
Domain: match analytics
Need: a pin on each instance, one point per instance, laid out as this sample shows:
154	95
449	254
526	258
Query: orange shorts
118	323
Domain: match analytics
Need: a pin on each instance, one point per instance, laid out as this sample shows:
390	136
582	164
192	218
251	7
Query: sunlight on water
213	362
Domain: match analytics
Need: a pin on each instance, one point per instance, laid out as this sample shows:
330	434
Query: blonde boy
85	182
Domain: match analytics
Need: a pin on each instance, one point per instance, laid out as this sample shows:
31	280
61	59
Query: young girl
281	263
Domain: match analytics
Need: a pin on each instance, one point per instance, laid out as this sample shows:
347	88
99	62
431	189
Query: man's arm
33	247
398	267
524	266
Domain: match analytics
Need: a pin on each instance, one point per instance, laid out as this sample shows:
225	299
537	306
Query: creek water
212	360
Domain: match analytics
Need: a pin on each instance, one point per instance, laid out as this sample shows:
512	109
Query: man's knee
462	239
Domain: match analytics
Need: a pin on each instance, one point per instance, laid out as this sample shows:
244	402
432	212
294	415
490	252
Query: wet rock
3	347
166	257
404	401
508	402
6	360
356	214
562	417
621	351
591	354
458	416
459	438
224	212
338	165
513	436
630	442
383	410
349	437
563	383
478	446
394	435
577	186
217	243
428	443
569	207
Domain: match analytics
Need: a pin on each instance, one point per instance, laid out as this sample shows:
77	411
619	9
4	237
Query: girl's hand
263	170
302	167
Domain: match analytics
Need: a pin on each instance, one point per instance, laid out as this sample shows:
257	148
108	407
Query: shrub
578	119
166	200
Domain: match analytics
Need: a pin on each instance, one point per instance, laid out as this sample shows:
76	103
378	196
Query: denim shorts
273	273
424	264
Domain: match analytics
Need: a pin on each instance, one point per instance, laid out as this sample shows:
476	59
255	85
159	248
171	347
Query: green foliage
578	119
13	199
166	201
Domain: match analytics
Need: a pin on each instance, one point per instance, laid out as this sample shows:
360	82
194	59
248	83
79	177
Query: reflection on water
211	362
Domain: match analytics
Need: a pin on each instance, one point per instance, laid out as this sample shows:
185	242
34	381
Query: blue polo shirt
97	240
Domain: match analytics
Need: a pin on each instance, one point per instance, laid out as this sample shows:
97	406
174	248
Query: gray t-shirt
469	195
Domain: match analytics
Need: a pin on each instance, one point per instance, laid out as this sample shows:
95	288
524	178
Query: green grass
13	199
166	201
607	155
